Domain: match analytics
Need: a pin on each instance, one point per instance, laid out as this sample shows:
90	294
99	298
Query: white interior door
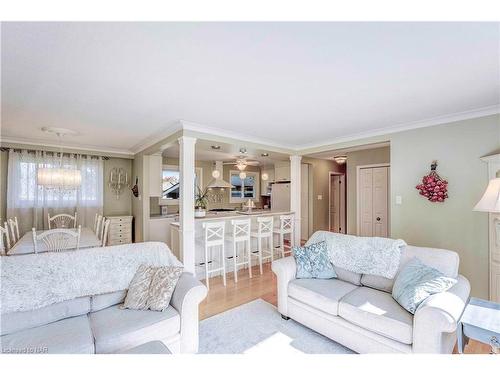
304	202
373	186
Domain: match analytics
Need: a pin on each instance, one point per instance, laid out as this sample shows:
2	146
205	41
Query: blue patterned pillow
313	262
416	282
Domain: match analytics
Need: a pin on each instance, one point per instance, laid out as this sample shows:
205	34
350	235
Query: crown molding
200	128
77	147
438	120
171	128
178	125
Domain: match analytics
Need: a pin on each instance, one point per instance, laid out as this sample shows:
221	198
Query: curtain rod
15	149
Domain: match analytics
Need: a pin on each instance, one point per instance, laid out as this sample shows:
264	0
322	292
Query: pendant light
59	178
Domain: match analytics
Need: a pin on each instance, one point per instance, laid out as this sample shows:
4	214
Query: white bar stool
286	227
214	239
240	241
264	232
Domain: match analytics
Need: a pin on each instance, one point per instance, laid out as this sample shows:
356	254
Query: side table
480	321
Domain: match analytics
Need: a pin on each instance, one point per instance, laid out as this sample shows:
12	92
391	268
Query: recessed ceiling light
264	154
215	147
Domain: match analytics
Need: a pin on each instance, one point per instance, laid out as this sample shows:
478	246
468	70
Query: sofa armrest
188	294
436	319
285	270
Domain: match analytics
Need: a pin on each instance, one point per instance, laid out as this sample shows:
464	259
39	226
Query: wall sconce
118	180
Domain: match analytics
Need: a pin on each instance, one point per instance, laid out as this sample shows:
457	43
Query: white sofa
359	312
96	324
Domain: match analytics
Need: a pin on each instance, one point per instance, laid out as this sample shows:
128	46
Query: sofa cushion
377	282
116	329
349	276
378	312
313	262
416	282
102	301
67	336
321	294
445	261
21	320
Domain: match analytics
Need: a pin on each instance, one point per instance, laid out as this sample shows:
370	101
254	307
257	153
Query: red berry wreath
433	187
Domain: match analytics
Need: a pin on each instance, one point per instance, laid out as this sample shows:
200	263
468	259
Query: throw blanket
29	282
367	255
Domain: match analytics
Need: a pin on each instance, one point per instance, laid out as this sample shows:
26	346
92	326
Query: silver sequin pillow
162	286
138	290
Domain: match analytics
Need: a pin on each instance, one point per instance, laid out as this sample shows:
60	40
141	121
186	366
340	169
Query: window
244	189
25	192
170	183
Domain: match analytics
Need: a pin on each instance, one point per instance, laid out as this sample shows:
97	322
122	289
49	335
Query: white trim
433	121
30	142
200	128
358	168
330	174
306	148
171	128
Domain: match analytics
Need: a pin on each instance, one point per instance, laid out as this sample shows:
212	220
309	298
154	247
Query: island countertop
235	215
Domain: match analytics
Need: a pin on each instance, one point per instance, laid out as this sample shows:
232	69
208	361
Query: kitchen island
218	216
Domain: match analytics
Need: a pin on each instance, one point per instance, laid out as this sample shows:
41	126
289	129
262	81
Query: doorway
337	205
373	200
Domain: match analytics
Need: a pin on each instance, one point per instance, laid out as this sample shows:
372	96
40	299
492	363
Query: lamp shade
59	178
490	202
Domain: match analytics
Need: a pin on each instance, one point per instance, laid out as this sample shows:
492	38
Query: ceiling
293	84
228	152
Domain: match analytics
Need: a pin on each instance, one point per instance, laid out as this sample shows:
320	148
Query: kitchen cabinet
159	229
282	171
264	185
155	175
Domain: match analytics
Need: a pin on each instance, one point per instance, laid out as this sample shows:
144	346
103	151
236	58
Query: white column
295	170
186	202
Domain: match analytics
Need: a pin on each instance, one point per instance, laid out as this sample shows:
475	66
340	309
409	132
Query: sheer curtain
31	203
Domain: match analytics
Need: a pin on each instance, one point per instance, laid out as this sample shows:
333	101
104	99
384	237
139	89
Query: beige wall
320	169
112	206
452	224
354	159
123	205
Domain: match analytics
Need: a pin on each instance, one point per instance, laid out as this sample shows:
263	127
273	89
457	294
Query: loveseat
358	310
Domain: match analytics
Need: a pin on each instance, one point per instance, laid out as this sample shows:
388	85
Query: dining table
25	244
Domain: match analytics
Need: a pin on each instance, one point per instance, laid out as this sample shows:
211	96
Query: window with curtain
31	202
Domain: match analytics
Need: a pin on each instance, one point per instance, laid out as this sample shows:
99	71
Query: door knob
378	218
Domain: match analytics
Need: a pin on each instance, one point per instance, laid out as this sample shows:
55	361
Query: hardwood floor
220	298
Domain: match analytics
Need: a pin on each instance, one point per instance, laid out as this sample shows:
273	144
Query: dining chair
105	226
99	220
62	221
4	246
59	239
14	229
100	229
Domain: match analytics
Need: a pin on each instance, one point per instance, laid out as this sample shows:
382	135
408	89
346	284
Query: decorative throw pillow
162	286
138	290
313	262
416	281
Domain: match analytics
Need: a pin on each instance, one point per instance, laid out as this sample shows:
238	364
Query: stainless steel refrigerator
280	197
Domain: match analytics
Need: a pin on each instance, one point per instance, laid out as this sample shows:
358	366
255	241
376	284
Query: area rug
257	327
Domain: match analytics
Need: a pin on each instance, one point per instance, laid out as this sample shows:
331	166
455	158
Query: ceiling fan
242	162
